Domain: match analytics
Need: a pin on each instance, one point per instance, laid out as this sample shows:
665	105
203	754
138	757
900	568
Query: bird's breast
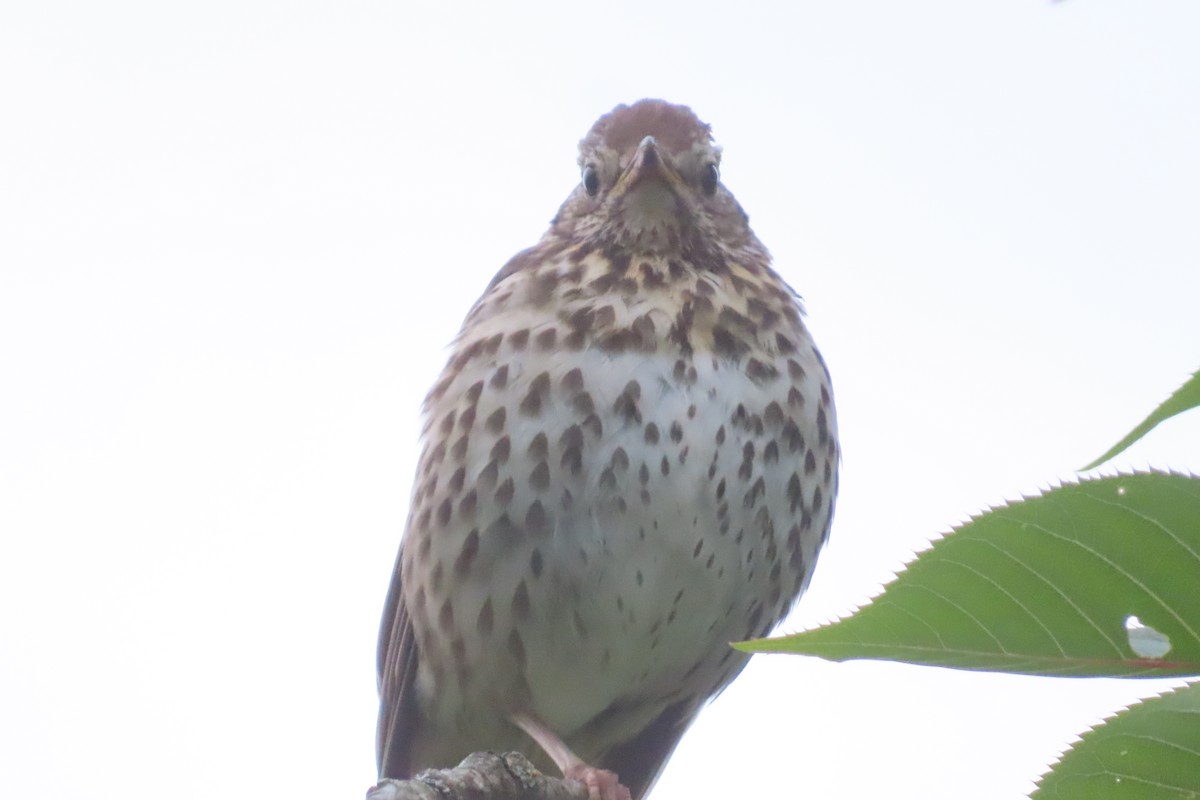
597	515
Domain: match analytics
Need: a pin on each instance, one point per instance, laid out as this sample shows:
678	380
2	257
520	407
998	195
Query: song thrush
629	461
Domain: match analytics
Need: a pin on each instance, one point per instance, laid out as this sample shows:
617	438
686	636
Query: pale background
236	236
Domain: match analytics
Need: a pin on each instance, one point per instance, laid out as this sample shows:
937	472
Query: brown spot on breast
573	380
794	493
784	345
616	341
537	522
460	476
725	344
618	259
795	371
730	317
541	287
504	493
484	622
446	618
605	317
583	404
620	460
539	479
571	437
822	427
746	470
810	463
538	446
756	491
545	340
760	372
501	450
466	506
495	421
791	434
581	319
466	554
444	511
650	435
531	404
463	356
766	315
572	457
474	392
447	424
491	345
644	334
608	479
592	425
499	377
459	451
626	405
489	474
602	284
651	278
518	340
536	563
773	414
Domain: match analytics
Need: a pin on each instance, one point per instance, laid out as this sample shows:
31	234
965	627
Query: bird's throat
651	216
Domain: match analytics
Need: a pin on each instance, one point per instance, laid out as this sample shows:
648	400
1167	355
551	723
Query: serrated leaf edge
989	509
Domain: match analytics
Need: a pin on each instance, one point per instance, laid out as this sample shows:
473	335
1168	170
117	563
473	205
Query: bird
629	461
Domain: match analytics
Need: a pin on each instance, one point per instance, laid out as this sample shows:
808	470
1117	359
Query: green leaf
1185	397
1044	586
1150	750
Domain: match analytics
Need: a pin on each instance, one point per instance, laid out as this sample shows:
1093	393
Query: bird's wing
397	665
639	761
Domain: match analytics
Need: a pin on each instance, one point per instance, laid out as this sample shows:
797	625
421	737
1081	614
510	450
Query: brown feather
640	760
397	677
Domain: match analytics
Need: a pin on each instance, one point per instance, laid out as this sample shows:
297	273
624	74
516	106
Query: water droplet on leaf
1144	640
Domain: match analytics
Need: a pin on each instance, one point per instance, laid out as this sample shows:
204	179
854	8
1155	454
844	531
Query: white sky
236	236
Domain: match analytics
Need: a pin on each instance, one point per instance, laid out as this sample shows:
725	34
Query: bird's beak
648	164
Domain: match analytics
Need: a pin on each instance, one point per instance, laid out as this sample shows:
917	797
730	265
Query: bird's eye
591	180
708	181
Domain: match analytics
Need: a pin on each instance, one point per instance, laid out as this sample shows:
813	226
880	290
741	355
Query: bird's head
650	182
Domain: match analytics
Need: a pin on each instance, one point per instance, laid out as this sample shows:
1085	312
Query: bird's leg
602	784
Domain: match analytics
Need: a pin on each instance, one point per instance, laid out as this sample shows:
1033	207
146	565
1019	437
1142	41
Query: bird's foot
601	783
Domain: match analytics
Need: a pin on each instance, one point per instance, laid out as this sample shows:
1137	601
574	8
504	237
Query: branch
481	776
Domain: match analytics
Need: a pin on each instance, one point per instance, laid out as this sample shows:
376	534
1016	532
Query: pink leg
601	783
